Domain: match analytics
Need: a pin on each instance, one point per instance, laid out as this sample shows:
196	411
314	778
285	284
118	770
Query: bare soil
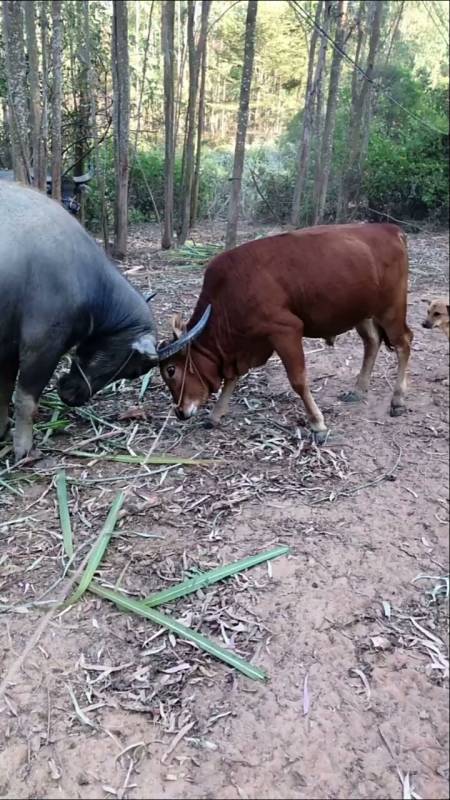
356	706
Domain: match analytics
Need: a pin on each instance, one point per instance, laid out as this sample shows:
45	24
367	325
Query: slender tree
242	123
121	123
13	26
92	96
195	55
43	22
57	44
35	102
360	112
200	127
167	40
304	143
326	147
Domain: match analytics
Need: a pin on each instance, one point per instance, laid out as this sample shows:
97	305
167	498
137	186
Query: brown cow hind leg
400	337
371	338
221	407
293	358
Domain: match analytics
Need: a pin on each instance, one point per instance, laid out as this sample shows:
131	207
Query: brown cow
268	294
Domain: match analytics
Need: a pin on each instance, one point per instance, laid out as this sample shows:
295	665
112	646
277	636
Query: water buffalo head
99	361
190	375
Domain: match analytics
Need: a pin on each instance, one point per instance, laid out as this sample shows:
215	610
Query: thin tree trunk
359	123
324	162
91	91
242	122
35	105
167	40
305	137
318	108
195	53
121	123
56	98
42	167
200	127
17	88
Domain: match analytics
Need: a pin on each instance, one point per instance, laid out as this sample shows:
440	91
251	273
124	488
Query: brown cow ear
178	326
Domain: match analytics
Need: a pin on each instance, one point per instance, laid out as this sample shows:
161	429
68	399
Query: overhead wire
310	19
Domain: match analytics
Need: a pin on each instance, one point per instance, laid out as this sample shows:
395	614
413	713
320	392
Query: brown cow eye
171	371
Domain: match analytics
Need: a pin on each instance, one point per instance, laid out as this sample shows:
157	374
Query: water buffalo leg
400	337
293	358
33	378
370	335
8	372
221	407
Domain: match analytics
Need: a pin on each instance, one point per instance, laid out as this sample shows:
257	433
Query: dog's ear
178	326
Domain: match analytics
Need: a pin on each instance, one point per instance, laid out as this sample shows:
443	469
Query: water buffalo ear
146	346
178	326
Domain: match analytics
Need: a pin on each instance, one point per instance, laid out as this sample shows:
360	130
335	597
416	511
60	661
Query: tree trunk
42	170
195	55
167	40
305	138
324	161
200	127
35	105
91	91
121	123
56	98
359	122
17	88
242	122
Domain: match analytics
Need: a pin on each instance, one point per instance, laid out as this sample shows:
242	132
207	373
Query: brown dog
438	315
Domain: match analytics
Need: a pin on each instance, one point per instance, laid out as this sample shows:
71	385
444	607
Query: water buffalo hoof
211	423
320	437
351	397
398	411
28	457
5	430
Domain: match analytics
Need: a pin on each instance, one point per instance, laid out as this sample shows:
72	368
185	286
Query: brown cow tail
384	337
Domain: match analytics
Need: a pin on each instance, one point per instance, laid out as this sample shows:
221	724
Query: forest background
284	112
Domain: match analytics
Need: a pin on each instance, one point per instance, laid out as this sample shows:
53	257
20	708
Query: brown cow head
190	375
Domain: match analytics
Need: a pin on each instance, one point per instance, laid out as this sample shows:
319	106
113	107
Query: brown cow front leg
370	335
292	355
221	407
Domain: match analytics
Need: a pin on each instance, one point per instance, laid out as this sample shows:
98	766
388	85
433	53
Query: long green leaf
98	550
64	516
205	579
137	607
142	459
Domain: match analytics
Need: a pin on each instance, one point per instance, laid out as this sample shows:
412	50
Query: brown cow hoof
320	437
398	411
351	397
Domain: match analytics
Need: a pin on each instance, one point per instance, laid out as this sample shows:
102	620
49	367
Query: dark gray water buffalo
59	291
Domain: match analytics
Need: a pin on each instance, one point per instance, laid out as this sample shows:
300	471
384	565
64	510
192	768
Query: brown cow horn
169	350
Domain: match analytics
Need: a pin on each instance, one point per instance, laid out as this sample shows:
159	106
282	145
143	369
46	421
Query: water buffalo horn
149	296
171	349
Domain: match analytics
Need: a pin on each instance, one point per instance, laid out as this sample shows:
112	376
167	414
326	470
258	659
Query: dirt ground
108	705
